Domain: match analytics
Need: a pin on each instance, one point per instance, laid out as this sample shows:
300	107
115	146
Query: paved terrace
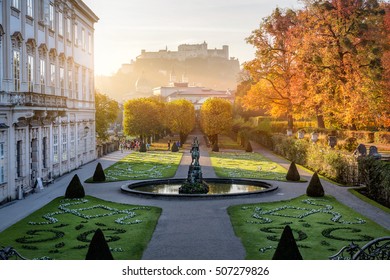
187	229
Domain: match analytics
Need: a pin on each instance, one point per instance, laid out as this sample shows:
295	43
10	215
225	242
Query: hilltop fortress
187	51
194	64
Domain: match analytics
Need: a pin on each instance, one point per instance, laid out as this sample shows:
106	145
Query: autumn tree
216	116
143	117
273	70
340	57
107	111
180	117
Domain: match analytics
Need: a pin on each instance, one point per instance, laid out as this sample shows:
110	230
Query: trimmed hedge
287	248
99	175
315	188
75	189
98	248
292	173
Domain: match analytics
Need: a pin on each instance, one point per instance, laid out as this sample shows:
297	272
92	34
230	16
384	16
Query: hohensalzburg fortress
187	51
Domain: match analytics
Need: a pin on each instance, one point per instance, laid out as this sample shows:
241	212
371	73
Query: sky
126	27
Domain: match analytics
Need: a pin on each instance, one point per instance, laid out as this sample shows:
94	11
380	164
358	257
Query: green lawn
64	228
246	165
149	165
321	226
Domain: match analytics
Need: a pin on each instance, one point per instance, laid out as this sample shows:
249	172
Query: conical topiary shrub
287	247
142	148
248	147
75	189
292	173
215	147
175	148
315	189
98	248
99	175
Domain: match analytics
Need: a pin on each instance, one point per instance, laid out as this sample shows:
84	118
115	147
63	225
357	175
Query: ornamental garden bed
64	228
138	166
246	165
321	226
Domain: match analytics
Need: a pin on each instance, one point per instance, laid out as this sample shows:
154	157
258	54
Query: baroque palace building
47	104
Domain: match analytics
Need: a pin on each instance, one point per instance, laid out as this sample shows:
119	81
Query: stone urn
301	134
332	141
314	137
289	132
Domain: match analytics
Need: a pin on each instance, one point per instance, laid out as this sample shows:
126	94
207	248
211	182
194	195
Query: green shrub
376	177
99	175
382	137
315	189
287	248
293	174
98	248
350	144
175	148
75	189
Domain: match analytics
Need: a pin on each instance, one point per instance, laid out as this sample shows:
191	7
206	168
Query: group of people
170	142
134	144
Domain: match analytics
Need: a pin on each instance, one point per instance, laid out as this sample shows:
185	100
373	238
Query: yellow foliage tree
216	117
180	117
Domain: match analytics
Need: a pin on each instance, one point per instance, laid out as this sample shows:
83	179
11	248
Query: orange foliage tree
273	69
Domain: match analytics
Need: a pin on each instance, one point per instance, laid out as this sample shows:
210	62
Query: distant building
47	102
195	94
187	51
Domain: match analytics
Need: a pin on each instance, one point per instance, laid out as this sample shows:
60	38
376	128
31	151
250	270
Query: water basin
217	187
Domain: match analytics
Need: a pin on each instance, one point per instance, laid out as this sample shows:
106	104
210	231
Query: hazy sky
128	26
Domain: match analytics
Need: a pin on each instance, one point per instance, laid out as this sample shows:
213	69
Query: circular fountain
196	186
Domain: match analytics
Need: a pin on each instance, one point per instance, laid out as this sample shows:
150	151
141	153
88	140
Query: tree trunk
290	122
320	121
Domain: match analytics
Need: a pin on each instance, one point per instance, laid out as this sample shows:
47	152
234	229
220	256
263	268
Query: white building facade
47	103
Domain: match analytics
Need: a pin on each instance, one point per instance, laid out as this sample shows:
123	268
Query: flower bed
64	228
321	226
246	165
150	165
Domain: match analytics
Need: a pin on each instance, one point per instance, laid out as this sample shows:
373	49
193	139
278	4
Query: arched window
17	40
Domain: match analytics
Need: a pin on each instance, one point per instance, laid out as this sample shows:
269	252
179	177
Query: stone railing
32	99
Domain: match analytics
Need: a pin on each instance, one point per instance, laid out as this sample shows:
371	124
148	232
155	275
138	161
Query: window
68	29
2	163
52	74
60	24
70	83
44	152
55	145
76	35
62	81
42	71
16	4
83	42
72	142
30	8
89	43
84	83
41	10
51	17
2	177
16	70
64	145
76	81
30	72
19	159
